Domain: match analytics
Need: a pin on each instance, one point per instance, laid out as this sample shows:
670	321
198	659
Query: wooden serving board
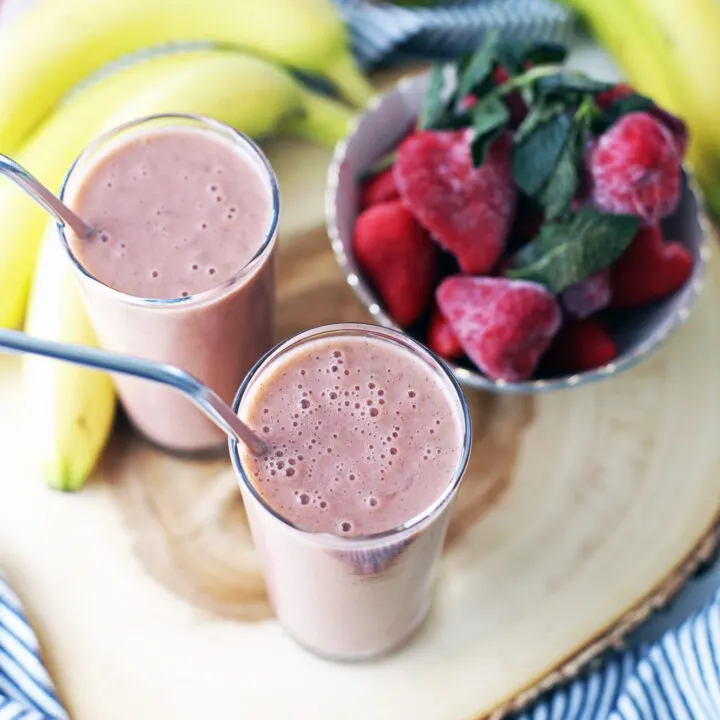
579	512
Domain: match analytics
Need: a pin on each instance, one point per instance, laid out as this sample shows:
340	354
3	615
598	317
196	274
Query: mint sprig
568	251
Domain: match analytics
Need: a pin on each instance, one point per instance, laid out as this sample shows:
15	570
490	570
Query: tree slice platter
581	511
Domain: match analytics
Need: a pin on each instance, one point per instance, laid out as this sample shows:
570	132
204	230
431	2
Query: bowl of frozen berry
533	226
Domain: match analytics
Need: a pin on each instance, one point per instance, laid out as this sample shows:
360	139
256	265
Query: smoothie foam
363	438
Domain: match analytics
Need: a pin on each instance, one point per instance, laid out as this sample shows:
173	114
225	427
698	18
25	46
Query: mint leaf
535	156
562	83
479	67
435	107
511	54
490	117
539	114
557	195
544	53
566	252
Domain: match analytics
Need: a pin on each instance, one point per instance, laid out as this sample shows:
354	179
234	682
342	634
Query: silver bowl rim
476	379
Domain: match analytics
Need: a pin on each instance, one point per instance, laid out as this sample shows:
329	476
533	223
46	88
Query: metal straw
205	398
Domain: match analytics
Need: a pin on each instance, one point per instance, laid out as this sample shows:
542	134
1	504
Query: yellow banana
58	43
70	408
689	33
248	93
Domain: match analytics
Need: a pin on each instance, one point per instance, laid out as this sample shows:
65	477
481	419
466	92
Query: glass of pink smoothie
181	266
370	436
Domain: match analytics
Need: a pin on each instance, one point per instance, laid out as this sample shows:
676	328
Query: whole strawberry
580	345
468	210
649	270
399	258
503	325
441	337
635	169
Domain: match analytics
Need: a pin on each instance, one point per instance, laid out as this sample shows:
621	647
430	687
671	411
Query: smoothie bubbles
181	266
369	437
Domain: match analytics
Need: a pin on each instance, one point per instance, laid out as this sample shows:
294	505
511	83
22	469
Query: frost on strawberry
467	210
635	169
588	296
504	326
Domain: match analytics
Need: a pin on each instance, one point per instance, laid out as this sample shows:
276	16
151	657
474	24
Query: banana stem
348	79
323	120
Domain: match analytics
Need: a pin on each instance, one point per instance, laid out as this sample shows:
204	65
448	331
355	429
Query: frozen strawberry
588	296
441	338
673	123
399	258
514	101
580	346
468	210
504	326
635	169
650	269
378	189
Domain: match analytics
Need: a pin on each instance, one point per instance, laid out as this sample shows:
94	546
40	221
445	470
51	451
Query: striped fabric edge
26	690
675	678
383	33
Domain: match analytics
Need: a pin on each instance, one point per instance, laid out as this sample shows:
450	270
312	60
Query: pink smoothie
182	215
365	438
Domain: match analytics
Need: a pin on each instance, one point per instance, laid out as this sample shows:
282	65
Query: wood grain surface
577	507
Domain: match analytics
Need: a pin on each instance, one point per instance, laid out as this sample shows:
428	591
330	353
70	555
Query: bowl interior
637	332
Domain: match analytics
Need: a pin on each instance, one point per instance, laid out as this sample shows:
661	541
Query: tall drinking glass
356	596
216	334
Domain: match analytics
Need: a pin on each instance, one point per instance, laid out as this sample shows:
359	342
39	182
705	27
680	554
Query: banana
70	408
58	43
248	93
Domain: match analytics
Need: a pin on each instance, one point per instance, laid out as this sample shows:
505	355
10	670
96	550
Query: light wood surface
146	593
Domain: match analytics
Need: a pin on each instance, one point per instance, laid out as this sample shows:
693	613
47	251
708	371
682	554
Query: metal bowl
637	333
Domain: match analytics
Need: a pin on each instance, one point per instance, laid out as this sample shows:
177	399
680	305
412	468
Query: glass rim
385	334
217	290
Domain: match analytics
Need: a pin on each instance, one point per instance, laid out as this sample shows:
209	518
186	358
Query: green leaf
480	66
539	114
490	117
562	83
557	194
510	55
534	158
435	107
566	252
622	106
544	53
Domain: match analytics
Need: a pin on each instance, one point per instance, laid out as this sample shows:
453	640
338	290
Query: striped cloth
676	678
26	690
384	34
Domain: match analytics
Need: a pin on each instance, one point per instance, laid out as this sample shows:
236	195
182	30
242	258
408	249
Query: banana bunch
59	43
39	64
670	51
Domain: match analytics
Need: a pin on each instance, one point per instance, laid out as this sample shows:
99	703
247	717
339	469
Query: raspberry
399	258
635	169
467	210
588	296
503	325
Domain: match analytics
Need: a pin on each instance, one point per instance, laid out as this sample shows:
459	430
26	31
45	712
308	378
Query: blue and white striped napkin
26	690
676	678
387	34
